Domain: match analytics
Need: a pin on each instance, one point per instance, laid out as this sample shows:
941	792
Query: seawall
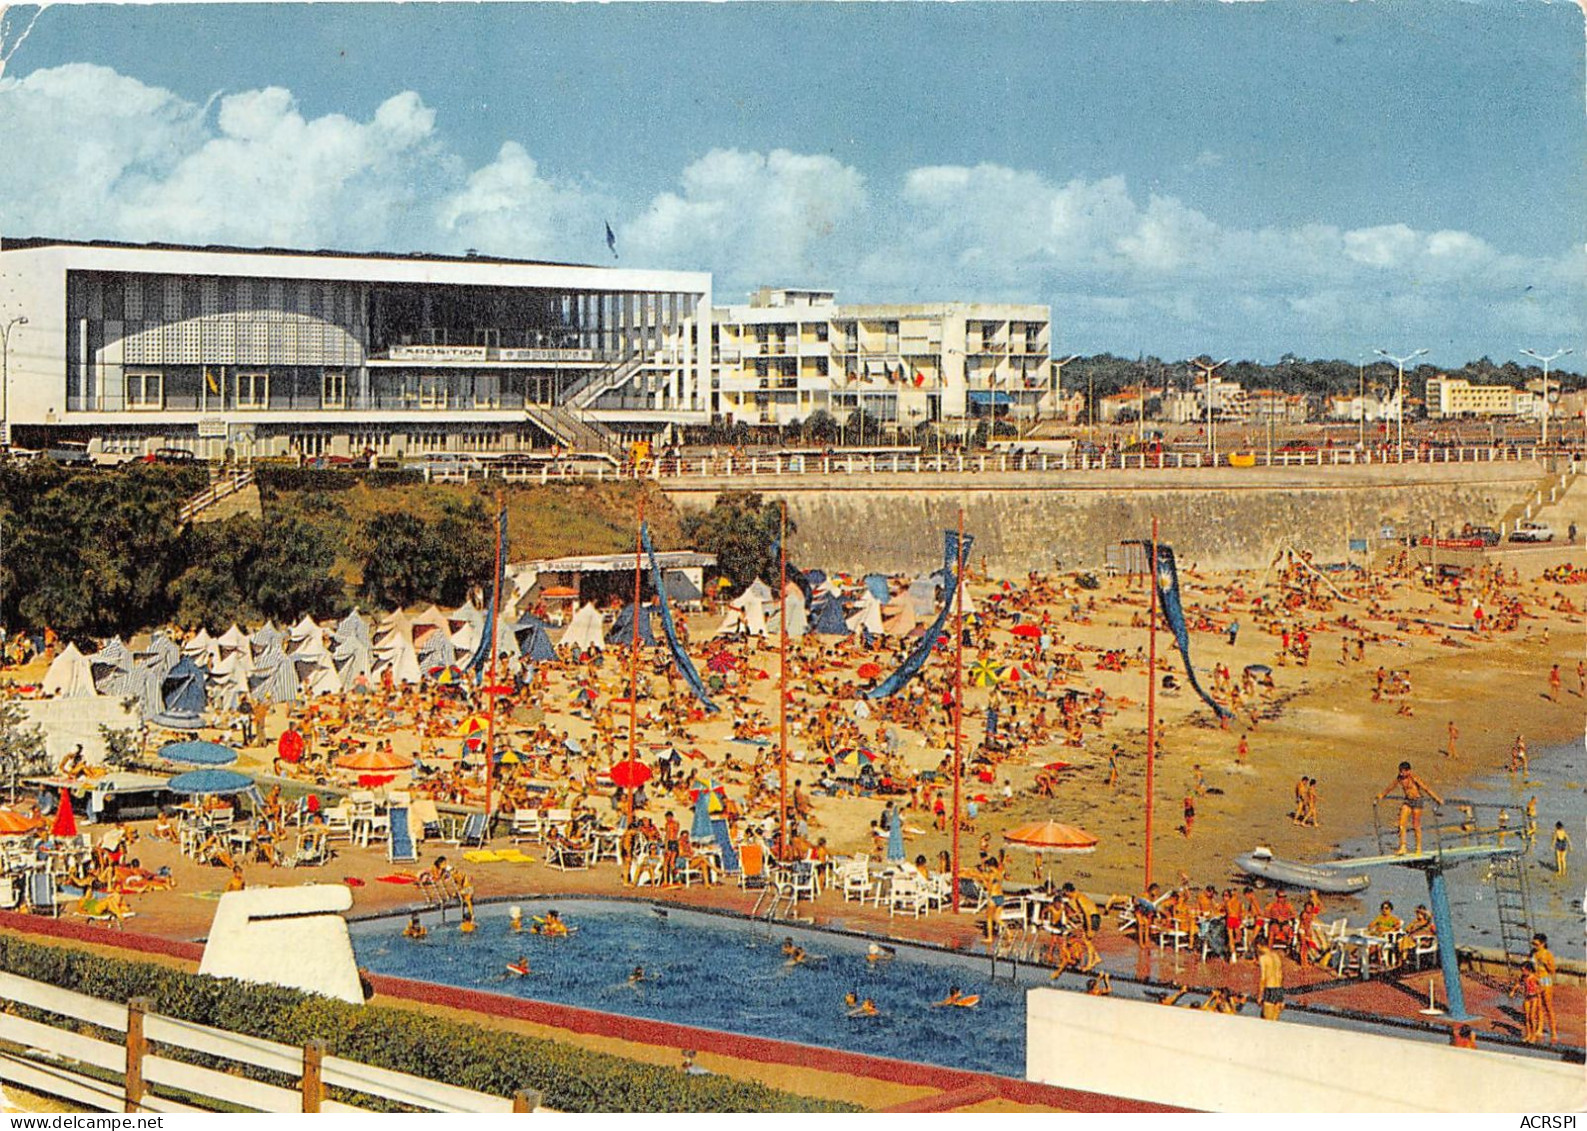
1224	518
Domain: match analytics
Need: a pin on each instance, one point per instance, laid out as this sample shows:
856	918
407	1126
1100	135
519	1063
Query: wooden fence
56	1060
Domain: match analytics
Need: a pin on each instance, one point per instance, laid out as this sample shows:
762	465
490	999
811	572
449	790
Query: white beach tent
898	616
753	606
867	614
397	656
70	676
585	630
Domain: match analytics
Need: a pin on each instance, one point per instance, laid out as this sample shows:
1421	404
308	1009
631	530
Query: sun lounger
400	848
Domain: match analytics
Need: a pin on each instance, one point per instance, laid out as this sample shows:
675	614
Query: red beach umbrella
378	761
1029	631
290	746
630	775
65	820
869	671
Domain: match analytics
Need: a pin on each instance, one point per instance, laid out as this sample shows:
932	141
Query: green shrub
487	1060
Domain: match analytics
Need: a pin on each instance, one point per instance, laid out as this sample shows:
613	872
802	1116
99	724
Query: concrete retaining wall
1217	519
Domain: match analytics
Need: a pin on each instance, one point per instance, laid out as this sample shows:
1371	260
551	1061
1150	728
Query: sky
1172	178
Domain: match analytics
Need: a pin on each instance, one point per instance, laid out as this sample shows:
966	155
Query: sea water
1557	776
717	973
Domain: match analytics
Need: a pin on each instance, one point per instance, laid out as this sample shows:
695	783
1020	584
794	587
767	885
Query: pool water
717	973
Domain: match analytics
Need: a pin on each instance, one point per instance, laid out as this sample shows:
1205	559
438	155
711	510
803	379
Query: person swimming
959	998
520	968
468	926
415	929
878	953
866	1008
788	947
551	925
515	919
796	956
637	976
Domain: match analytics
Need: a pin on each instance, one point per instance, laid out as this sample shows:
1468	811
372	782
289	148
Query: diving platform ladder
1513	899
439	892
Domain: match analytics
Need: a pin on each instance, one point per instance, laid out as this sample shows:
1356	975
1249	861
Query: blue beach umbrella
210	783
196	752
701	830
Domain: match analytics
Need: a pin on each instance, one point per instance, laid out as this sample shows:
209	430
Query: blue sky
1175	178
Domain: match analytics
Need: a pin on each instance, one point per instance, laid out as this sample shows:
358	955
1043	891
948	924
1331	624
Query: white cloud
753	217
103	155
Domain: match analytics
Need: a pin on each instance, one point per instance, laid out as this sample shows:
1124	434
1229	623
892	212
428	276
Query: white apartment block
271	352
1456	396
789	352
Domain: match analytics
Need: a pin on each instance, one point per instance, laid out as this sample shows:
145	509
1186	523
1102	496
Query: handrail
222	488
51	1044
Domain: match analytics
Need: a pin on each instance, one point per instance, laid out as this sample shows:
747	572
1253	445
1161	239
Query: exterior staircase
223	485
572	430
592	386
1548	493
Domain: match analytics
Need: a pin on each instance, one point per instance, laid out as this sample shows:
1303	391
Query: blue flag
611	239
1174	613
680	656
487	641
917	658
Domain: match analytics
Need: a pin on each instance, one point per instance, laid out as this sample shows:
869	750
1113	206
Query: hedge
281	479
487	1060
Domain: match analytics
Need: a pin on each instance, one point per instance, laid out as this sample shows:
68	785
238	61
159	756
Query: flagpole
782	680
633	656
958	699
495	647
1151	705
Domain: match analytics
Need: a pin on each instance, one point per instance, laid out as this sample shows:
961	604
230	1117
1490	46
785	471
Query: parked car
1532	532
72	453
444	464
170	455
1297	446
1488	535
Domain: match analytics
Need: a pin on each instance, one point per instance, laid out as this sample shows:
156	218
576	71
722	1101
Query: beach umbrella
869	670
1051	836
1258	669
1012	674
1028	631
290	746
701	828
722	661
508	758
855	758
1054	767
13	823
711	786
197	752
630	775
65	820
209	783
375	781
378	760
984	673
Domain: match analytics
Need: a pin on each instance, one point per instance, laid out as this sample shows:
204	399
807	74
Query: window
432	390
333	389
253	390
145	390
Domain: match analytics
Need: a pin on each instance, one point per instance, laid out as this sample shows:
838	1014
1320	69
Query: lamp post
1058	379
1543	441
1212	429
1399	408
5	376
1361	403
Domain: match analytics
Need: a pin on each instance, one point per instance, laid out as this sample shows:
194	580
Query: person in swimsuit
1270	980
1561	847
1413	794
415	929
1544	963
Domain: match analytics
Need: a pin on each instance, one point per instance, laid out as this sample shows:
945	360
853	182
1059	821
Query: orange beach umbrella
1051	836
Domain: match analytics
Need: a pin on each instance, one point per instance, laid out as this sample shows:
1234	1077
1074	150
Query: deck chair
752	857
313	848
400	848
475	831
527	825
41	893
10	893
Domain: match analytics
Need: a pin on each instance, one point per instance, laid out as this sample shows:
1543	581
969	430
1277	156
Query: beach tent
465	623
304	629
585	630
267	636
70	676
898	617
827	619
201	646
680	588
923	595
352	627
316	675
310	643
877	584
752	606
867	615
162	653
352	661
183	696
622	634
535	644
110	667
233	637
759	590
798	621
274	678
394	626
433	646
396	655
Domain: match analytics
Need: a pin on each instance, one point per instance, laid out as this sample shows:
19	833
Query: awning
990	396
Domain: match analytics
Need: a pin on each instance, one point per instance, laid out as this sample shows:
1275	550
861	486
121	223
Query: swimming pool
722	973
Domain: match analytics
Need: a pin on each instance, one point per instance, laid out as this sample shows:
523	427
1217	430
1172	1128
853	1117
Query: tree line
92	554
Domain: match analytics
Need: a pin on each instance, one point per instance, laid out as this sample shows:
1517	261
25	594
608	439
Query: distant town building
790	352
1277	407
1449	397
1371	408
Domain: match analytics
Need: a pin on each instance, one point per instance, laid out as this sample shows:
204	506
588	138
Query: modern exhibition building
276	352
